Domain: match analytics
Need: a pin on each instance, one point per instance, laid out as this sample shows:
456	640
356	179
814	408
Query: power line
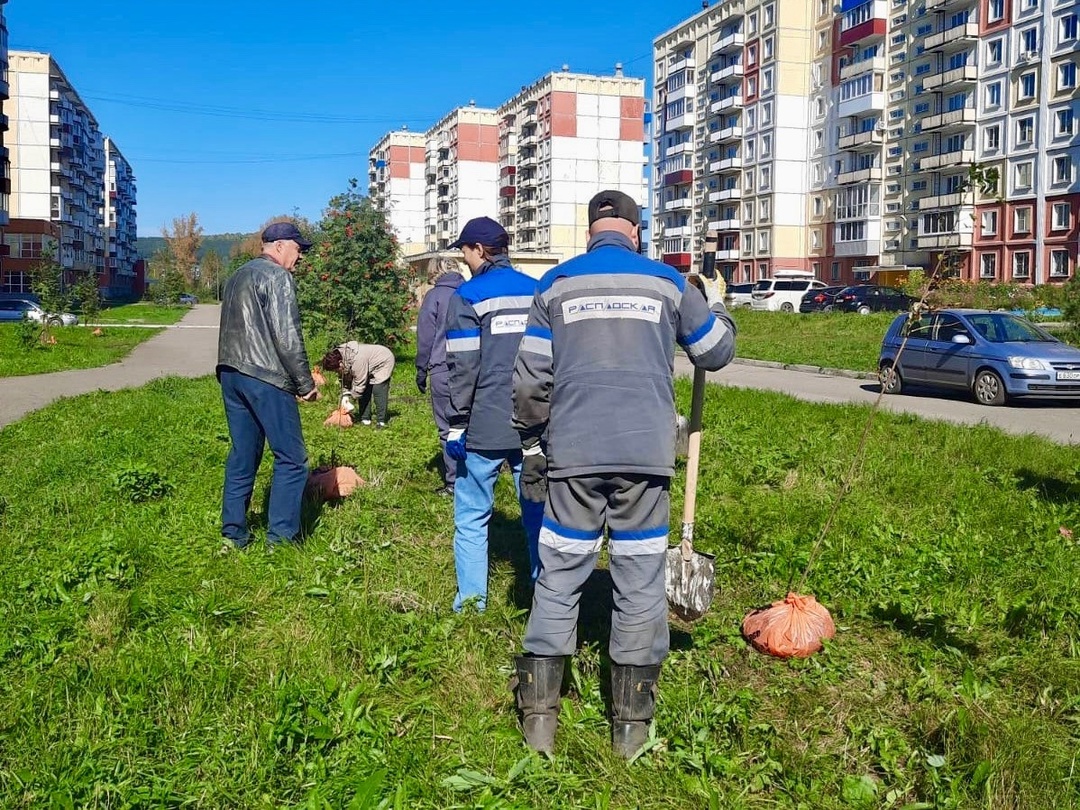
251	160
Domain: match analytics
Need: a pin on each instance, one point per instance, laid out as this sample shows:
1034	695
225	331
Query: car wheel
988	388
54	321
889	378
787	308
863	310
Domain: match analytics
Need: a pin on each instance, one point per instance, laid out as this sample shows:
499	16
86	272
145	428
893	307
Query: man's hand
421	380
534	475
311	395
714	288
455	444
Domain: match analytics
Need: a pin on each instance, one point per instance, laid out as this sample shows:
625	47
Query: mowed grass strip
75	348
828	339
139	666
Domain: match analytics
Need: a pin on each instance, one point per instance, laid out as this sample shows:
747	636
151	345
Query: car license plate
1068	375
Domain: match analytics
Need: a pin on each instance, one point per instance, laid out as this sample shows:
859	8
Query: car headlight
1028	363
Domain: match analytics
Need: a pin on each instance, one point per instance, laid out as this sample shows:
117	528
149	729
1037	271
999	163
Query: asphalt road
189	349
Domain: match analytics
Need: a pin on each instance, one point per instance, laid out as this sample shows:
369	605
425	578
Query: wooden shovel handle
693	457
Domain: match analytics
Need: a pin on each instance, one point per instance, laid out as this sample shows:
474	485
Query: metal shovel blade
690	584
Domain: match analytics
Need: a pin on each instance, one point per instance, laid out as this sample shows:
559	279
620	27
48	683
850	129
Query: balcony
960	75
952	39
676	259
728	44
873	173
877	64
860	247
729	72
951	160
529	117
679	148
860	105
528	140
954	119
530	158
954	200
724	225
874	28
729	163
871	138
684	121
726	134
679	204
941	241
725	194
680	230
729	255
726	103
681	64
946	5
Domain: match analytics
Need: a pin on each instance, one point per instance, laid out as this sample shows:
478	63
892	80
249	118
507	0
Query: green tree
169	280
353	285
211	269
47	283
86	292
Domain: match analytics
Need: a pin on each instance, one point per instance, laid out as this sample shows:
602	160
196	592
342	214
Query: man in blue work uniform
485	321
595	373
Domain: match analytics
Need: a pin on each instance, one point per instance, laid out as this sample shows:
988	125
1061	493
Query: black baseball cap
285	230
614	204
482	231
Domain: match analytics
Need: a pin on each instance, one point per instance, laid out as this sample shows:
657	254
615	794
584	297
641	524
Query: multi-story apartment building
533	163
58	171
561	140
5	165
731	140
119	222
396	183
902	100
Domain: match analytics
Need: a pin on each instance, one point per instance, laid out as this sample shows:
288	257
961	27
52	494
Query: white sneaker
365	421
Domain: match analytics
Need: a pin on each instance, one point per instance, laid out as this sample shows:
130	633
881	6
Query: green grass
140	668
142	313
75	348
829	339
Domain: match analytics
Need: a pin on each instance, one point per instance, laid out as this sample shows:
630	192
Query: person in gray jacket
263	369
594	373
431	359
365	370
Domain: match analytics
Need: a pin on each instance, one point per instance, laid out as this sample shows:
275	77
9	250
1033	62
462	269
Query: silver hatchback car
16	309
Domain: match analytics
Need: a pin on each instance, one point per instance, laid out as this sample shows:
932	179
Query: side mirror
961	338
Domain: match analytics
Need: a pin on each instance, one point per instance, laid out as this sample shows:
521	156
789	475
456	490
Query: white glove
714	288
346	405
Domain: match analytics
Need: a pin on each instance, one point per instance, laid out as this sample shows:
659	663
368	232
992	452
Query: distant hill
221	243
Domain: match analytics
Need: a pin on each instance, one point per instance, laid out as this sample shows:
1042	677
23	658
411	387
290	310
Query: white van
784	292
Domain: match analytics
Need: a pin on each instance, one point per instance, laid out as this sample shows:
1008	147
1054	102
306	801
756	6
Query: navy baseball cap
482	231
285	230
614	204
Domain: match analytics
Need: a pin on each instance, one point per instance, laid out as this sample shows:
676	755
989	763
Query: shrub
139	483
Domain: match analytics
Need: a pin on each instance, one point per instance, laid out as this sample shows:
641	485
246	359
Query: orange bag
790	628
317	376
97	332
332	483
338	418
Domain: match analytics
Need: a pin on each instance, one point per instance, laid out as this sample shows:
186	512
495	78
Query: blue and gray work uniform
431	358
595	371
485	321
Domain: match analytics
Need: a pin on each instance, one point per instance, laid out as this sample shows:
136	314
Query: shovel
690	576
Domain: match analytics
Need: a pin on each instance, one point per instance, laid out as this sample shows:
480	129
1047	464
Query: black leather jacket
260	328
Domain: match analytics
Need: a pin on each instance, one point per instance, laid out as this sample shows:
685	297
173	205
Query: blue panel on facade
380	164
848	5
648	118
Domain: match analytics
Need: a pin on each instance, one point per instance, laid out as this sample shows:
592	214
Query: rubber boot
537	685
633	698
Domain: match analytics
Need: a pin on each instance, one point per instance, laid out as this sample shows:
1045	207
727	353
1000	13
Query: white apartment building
5	164
534	163
119	222
396	183
58	170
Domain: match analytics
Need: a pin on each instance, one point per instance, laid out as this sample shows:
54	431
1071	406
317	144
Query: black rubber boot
633	698
537	685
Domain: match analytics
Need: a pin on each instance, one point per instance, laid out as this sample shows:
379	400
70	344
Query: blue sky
240	110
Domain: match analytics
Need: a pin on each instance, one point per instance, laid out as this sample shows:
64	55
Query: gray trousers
439	382
636	510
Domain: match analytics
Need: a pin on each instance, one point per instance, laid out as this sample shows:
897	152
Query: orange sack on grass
338	418
334	482
317	376
790	628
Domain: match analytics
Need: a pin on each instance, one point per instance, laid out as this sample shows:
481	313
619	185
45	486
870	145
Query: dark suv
867	298
819	300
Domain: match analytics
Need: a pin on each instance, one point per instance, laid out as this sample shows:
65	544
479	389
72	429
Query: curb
822	370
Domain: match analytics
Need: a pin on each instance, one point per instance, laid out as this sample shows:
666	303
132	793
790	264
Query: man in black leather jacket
263	369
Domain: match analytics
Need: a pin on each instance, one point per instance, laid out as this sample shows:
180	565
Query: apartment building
397	184
731	137
5	164
533	163
561	140
901	100
119	222
58	172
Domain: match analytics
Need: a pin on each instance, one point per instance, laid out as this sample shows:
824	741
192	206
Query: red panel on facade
507	191
870	28
563	103
677	259
632	107
399	169
997	25
678	178
564	125
632	129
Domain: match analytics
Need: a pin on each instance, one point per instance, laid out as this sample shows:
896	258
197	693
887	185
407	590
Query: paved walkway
186	349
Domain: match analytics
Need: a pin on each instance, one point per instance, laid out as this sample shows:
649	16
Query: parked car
738	295
15	309
188	299
819	300
867	298
994	355
783	293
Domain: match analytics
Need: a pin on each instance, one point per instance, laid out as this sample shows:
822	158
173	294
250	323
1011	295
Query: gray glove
534	475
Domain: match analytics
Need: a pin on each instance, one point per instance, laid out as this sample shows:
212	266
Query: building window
766	146
819	206
1022	220
815	239
851	231
766	113
764	210
749	180
993	52
763	242
1063	169
767	80
1021	264
1061	217
1067	29
993	94
770	16
766	178
1027	86
1066	76
988	265
1029	40
1022	176
992	138
989	223
1025	130
1064	122
767	48
1059	263
995	10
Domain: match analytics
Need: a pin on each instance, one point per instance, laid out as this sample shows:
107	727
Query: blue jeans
474	501
258	412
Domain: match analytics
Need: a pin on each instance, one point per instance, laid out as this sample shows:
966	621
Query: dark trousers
439	381
259	413
380	392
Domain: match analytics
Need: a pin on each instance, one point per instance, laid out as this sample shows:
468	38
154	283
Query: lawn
139	667
142	313
829	339
75	348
